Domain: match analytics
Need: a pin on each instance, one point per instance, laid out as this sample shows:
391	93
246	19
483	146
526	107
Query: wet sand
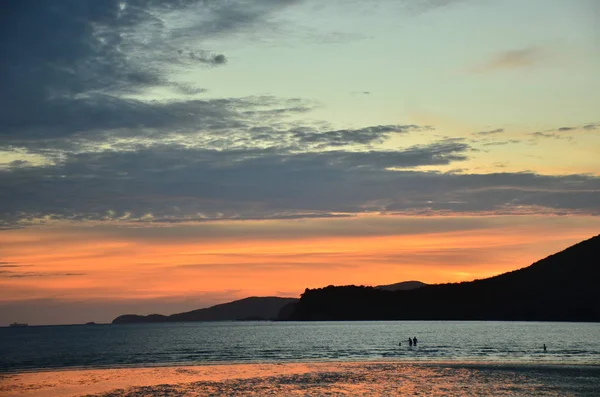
311	379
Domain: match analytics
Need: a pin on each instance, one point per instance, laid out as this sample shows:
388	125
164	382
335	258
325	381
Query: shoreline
347	377
433	362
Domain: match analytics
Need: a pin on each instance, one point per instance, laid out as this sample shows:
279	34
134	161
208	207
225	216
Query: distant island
562	287
253	308
247	309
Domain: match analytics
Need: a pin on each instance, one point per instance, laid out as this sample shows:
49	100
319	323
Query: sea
42	348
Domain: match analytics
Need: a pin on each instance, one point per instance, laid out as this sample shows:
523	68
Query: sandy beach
311	379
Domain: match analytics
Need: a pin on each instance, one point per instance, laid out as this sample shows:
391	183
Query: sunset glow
203	264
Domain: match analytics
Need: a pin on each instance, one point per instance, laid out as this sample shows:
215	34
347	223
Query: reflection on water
102	346
316	379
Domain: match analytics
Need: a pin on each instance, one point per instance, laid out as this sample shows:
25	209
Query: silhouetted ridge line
561	287
252	308
403	286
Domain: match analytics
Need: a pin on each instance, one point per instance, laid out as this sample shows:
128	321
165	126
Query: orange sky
197	265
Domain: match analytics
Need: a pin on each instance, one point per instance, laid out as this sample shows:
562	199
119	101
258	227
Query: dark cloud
55	53
188	89
175	181
65	65
564	129
363	136
491	132
207	58
64	73
592	126
174	184
106	118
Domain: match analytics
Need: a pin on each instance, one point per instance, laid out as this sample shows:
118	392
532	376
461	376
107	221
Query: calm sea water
96	346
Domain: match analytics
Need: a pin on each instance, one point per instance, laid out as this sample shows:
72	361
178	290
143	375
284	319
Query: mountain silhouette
402	286
561	287
253	308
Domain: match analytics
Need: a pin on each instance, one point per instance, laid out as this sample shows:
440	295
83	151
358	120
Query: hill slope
402	286
561	287
255	308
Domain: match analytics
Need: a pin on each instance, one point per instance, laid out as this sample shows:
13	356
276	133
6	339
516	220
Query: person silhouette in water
415	340
544	347
410	342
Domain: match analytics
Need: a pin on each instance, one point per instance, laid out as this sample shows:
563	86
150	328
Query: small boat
18	325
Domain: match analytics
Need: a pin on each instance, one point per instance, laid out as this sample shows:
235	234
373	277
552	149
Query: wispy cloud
587	127
565	131
512	59
501	143
490	132
206	57
14	274
13	265
535	136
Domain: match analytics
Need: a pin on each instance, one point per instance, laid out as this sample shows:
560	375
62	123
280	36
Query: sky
162	156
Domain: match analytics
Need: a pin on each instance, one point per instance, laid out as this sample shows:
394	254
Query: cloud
106	152
501	143
83	56
540	134
551	135
367	135
13	274
421	6
187	89
170	180
9	264
184	232
587	127
512	59
491	132
206	57
177	184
